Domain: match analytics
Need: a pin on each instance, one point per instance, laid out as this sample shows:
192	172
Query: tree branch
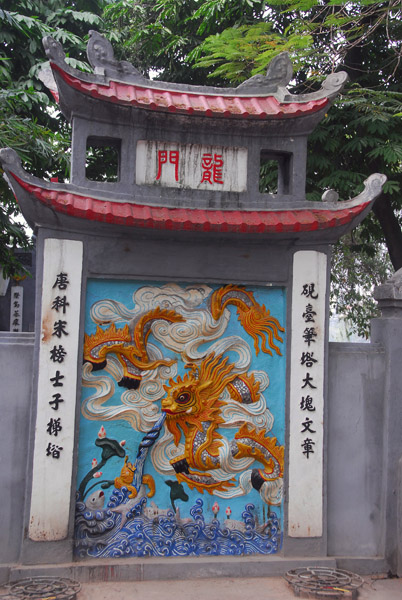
391	228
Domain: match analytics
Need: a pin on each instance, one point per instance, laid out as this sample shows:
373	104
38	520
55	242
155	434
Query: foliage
361	134
28	122
354	272
165	36
221	41
241	52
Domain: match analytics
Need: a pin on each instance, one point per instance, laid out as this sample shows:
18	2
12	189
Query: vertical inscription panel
16	308
305	508
57	380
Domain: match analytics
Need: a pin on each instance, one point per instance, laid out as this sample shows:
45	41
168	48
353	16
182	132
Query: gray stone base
150	569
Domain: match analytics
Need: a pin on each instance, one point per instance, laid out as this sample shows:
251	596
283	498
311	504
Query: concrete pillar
387	330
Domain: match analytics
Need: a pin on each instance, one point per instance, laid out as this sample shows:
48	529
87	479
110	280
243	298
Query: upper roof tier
119	82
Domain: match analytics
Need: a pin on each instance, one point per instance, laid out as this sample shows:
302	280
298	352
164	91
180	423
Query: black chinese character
57	354
16	313
309	334
306	403
57	379
16	304
307	446
309	314
306	426
60	302
53	450
309	291
61	281
16	294
16	322
307	358
54	426
59	328
307	382
57	399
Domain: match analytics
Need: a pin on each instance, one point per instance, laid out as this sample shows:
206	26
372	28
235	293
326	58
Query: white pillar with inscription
309	289
57	383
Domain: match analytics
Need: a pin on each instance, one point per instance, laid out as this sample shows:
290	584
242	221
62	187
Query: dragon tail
250	443
254	318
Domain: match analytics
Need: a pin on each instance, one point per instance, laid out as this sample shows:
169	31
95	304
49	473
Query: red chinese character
212	168
217	168
173	156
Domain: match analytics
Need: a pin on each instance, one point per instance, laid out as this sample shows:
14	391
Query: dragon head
195	398
182	397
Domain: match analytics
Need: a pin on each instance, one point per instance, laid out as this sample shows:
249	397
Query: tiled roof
186	219
210	105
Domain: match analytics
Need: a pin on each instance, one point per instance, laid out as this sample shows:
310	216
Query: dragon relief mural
201	375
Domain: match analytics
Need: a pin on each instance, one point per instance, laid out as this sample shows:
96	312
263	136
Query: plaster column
387	330
57	368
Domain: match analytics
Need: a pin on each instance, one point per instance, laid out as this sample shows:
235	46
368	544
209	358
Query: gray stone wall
28	259
363	484
16	359
355	420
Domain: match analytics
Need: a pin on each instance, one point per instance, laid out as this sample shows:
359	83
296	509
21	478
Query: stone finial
391	289
9	158
101	58
279	73
334	83
100	52
389	296
330	196
54	50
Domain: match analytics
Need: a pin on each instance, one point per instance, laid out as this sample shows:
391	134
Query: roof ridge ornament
101	58
54	50
279	74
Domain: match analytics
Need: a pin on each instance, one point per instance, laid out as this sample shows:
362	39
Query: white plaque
305	506
214	168
57	381
16	308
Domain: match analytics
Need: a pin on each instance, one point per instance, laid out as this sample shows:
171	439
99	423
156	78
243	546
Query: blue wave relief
127	528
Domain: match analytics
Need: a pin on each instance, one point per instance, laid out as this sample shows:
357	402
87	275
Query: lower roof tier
326	220
192	219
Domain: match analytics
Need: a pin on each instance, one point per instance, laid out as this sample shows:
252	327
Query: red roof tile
188	103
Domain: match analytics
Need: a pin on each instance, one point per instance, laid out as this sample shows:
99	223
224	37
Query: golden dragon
193	408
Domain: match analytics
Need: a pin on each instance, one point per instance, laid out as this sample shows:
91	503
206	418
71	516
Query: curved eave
184	219
248	107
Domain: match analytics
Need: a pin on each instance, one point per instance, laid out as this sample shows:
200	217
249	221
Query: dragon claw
181	466
256	479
